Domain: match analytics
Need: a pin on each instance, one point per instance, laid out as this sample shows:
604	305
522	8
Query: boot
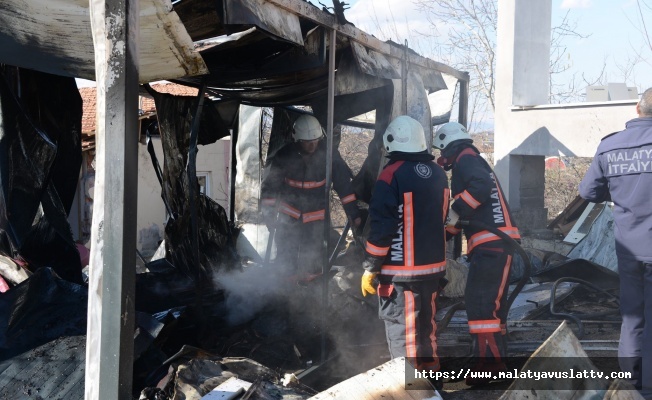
489	361
484	372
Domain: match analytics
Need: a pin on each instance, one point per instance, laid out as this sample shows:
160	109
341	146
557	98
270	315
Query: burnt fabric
485	296
293	197
216	241
40	309
408	310
40	159
478	197
406	245
621	171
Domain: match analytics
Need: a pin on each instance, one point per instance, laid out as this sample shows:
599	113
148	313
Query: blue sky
613	36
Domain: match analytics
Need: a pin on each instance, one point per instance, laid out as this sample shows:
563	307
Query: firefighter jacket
478	197
621	171
408	207
296	184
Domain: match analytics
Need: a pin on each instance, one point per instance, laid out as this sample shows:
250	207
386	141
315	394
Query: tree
643	23
469	44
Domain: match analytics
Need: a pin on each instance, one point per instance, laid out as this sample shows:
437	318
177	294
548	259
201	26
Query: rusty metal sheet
54	36
265	16
373	63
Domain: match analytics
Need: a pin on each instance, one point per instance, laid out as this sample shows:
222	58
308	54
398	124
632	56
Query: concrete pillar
111	283
522	79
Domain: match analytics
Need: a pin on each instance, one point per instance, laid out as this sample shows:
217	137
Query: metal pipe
404	79
234	166
463	110
462	118
329	178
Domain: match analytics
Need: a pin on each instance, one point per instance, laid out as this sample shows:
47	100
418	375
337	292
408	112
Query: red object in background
84	254
554	162
3	285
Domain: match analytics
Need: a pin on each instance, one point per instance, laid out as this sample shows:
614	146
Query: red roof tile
146	104
88	117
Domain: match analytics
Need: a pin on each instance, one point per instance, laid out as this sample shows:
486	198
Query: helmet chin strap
444	163
449	154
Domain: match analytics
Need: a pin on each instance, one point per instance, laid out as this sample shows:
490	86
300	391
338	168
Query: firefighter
478	197
406	245
621	172
293	201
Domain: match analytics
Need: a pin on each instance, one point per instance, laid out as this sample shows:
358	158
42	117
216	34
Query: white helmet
306	127
448	133
404	134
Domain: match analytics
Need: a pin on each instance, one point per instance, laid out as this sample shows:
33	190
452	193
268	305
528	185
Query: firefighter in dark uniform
293	189
621	171
478	196
406	245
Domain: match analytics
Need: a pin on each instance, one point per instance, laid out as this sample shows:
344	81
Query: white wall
213	159
524	124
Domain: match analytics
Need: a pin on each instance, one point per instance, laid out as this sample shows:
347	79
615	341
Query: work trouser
299	246
408	310
485	297
635	347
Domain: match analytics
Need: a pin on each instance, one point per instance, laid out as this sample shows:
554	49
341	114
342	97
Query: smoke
249	291
354	331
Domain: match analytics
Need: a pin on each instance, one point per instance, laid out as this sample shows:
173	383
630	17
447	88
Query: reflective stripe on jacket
298	183
478	196
407	212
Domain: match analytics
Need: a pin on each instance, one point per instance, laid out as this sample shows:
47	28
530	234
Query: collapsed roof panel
201	18
373	63
59	39
349	78
265	16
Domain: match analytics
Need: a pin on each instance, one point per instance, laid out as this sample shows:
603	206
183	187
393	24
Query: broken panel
265	16
56	37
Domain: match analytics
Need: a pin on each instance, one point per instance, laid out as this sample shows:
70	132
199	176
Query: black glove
372	263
